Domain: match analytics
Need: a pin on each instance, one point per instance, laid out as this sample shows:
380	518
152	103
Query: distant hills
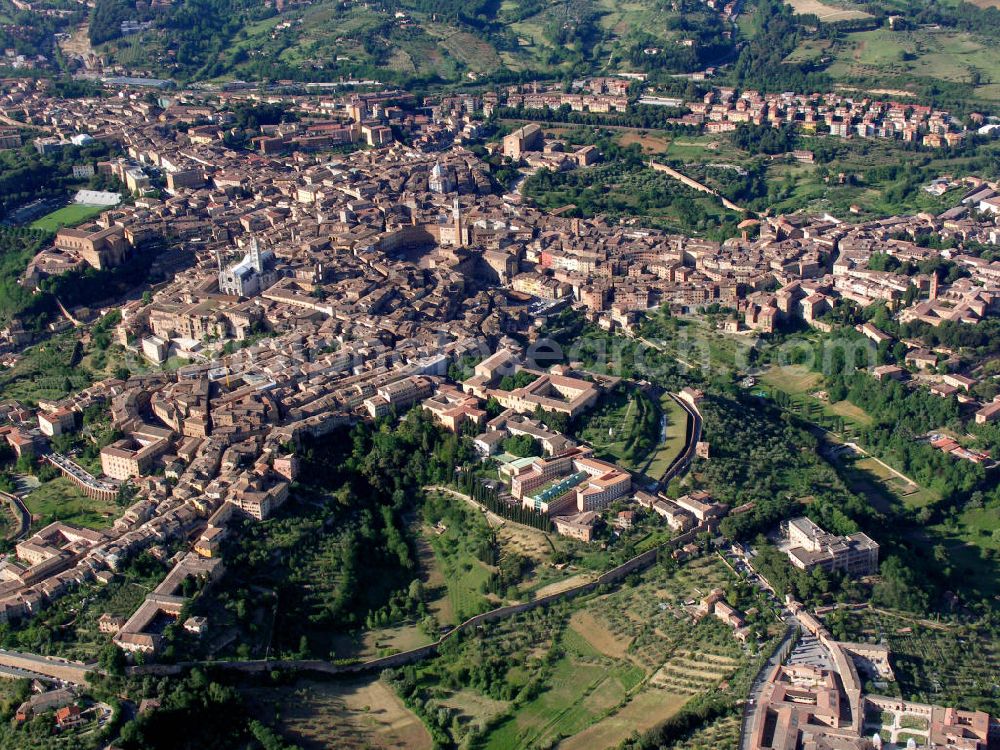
405	40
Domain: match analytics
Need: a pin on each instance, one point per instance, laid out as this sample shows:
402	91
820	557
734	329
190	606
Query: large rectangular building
399	394
527	138
811	546
133	456
570	482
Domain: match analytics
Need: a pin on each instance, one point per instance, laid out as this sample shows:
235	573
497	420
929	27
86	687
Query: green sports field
67	216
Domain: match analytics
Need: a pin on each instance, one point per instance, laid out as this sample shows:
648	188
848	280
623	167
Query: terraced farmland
692	672
586	673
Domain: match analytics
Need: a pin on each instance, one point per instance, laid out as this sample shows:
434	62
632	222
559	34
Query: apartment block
811	546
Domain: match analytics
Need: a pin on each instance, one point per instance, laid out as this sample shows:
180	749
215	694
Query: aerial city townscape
500	375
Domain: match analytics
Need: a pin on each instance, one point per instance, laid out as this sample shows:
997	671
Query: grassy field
455	561
464	593
800	384
540	548
473	52
453	577
693	148
646	711
471	707
582	687
909	493
695	341
794	380
827	13
809	50
47	370
651	143
618	18
669	449
714	348
607	425
593	630
61	500
382	641
883	488
895	56
433	577
796	187
972	541
618	415
868	485
981	526
687	147
67	216
355	713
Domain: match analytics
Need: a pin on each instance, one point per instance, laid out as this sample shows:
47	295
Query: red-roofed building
68	716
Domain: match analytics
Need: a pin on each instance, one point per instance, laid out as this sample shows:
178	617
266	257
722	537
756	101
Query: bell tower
459	229
255	259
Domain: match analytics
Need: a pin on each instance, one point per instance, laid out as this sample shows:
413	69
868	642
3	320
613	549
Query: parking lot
808	651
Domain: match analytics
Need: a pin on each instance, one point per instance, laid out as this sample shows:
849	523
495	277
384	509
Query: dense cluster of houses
352	282
723	109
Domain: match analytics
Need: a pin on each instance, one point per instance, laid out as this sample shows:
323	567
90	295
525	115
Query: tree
112	660
899	587
416	590
522	445
493	407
